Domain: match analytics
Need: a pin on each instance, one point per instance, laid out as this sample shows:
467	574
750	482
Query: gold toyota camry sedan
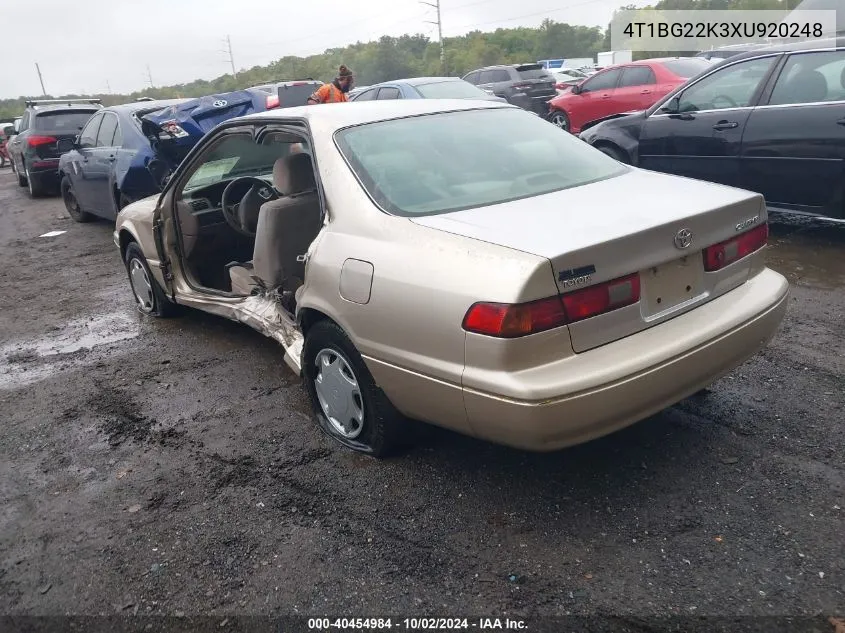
462	263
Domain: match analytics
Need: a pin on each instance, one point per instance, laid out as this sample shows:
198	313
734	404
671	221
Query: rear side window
388	93
473	77
494	76
107	131
811	78
687	67
62	121
637	76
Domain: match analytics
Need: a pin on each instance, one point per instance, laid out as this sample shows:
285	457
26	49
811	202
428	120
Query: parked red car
623	88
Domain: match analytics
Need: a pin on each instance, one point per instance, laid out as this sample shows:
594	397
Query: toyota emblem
220	103
683	239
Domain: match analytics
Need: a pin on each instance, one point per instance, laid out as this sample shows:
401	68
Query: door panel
793	149
637	89
702	137
82	167
595	99
100	165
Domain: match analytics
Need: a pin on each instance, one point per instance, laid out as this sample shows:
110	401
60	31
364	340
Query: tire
560	119
21	179
36	188
376	428
615	153
72	204
122	201
149	297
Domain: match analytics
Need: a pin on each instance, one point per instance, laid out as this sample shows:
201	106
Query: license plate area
671	285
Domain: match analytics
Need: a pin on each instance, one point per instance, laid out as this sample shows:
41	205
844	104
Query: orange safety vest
329	93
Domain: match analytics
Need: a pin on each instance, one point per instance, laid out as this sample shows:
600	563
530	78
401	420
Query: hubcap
141	285
339	394
560	121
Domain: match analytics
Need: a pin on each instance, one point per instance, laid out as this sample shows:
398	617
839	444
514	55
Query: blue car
424	88
127	152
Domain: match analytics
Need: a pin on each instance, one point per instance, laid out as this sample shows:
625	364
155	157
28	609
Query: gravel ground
172	466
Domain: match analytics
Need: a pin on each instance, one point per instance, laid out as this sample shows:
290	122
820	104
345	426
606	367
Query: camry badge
683	239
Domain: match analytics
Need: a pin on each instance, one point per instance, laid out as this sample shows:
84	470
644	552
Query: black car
529	86
770	121
35	149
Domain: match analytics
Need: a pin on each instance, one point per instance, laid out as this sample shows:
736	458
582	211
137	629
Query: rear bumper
45	170
738	324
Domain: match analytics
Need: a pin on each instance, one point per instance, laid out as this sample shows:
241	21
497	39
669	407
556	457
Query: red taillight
35	141
725	253
513	320
272	101
509	321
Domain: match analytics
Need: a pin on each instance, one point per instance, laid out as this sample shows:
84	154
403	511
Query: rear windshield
451	90
532	72
62	121
461	160
688	67
290	96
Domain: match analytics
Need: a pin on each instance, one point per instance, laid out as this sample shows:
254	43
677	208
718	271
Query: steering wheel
253	192
726	98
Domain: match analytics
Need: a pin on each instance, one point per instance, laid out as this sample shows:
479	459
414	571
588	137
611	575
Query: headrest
808	86
294	174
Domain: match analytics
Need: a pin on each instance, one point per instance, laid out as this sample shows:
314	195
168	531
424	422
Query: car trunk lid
639	224
174	130
535	81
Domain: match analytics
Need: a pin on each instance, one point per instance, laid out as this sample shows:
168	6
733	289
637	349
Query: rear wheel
72	204
36	187
559	118
21	178
149	297
350	408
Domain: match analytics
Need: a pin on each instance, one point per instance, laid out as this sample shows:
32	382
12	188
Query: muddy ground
172	466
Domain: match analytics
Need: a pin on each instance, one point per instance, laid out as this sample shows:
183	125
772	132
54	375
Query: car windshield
62	121
458	89
461	160
687	67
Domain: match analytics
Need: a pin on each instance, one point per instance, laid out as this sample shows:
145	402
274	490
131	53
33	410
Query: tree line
416	55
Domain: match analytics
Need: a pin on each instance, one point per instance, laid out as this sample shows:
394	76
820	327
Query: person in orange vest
335	92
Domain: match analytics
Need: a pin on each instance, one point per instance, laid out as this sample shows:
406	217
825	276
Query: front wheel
559	118
149	297
350	408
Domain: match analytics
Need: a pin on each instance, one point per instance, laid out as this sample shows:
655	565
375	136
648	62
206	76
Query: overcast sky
93	45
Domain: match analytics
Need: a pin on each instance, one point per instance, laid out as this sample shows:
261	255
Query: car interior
248	213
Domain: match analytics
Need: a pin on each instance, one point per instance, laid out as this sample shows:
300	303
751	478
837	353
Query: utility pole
150	76
41	79
108	86
439	24
231	57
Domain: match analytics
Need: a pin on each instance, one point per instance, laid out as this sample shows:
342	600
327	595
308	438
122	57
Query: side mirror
673	106
9	131
576	89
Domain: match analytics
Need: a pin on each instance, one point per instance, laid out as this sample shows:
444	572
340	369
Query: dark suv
35	149
528	86
288	94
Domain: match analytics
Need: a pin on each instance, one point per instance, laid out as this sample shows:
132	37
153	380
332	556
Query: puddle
809	254
26	361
